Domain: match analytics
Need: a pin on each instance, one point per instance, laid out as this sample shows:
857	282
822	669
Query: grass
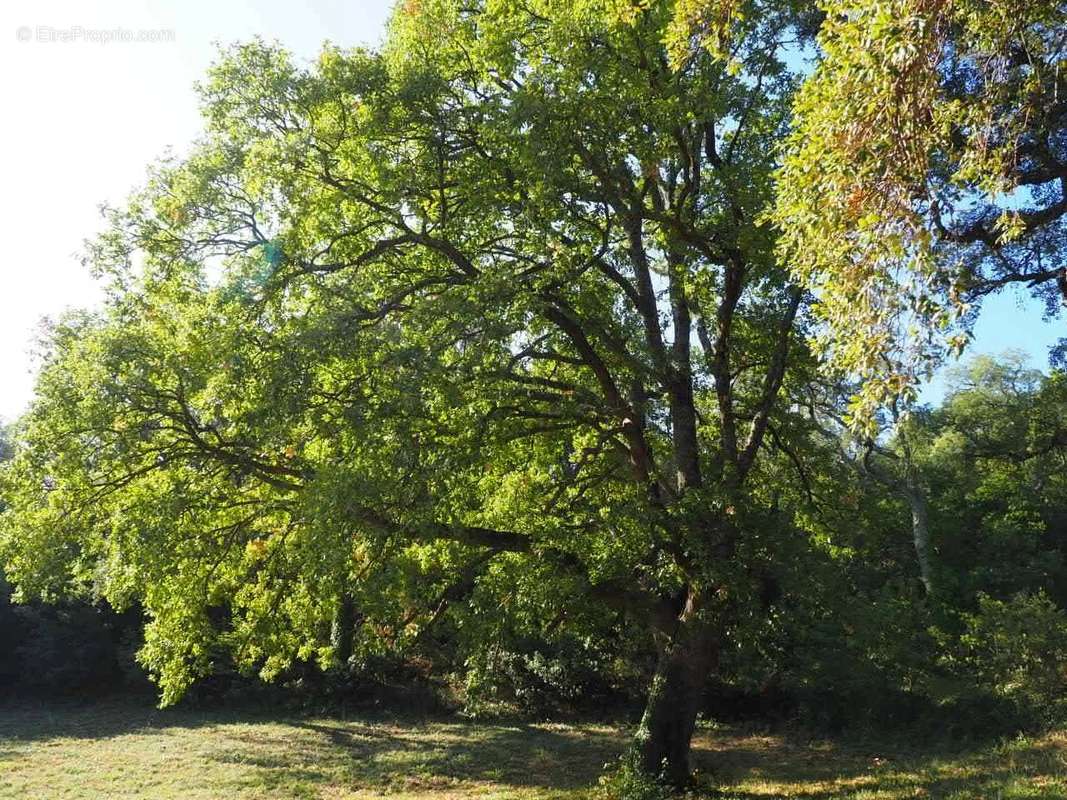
124	750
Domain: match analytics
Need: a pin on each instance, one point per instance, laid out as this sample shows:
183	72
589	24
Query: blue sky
1010	320
85	117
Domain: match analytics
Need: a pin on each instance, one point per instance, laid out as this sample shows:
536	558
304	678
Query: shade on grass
124	750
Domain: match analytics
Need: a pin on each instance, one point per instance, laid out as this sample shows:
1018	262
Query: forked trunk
661	746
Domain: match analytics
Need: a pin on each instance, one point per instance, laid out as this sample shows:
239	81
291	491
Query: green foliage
993	457
479	357
625	782
549	677
66	650
849	637
1016	649
397	330
924	171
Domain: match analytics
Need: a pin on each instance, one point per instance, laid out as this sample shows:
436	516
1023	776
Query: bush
542	678
1016	650
625	782
67	648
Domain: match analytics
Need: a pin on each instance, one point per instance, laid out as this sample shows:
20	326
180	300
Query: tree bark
344	630
920	532
687	659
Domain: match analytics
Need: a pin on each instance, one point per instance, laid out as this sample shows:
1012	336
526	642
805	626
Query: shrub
73	647
1016	650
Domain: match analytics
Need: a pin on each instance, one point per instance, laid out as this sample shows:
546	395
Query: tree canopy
435	306
506	326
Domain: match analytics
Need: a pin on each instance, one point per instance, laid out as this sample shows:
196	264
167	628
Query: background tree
994	455
857	635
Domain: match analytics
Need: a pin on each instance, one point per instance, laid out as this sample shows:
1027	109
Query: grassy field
118	750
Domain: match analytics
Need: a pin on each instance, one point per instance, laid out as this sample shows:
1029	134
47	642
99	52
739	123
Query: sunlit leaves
898	198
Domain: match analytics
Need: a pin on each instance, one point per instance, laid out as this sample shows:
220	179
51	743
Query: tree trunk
344	630
920	531
661	745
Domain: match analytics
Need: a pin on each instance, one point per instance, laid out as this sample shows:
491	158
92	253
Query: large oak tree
502	292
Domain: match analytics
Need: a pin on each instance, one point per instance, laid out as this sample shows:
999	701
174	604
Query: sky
85	117
96	91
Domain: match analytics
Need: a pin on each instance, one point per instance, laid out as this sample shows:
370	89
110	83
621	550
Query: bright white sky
85	118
